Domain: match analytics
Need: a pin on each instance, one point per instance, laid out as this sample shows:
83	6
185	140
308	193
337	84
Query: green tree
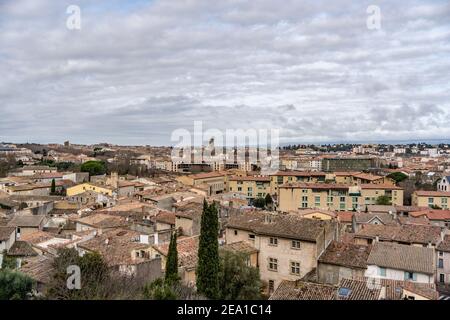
238	280
383	200
8	262
14	285
208	253
53	187
268	199
95	276
171	274
259	202
398	176
94	168
159	290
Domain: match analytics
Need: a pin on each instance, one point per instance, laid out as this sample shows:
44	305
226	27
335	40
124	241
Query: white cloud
312	68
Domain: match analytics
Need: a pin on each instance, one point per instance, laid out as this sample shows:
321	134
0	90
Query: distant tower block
67	143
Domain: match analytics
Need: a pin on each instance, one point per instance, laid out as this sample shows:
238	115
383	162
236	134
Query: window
295	244
430	200
235	232
273	264
441	253
344	292
410	276
251	236
442	278
329	200
271	286
273	241
295	268
382	272
239	188
317	201
441	263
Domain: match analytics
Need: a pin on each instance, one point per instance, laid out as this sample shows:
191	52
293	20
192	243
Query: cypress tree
208	266
171	275
53	188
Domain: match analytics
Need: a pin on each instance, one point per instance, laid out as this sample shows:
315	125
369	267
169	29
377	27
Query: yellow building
81	188
422	198
338	197
349	178
251	186
215	182
283	177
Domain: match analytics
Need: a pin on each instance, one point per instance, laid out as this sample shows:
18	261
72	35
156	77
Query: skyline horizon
283	144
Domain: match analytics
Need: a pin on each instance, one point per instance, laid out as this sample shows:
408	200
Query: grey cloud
311	68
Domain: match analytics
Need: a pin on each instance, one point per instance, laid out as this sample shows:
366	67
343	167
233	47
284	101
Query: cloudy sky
138	70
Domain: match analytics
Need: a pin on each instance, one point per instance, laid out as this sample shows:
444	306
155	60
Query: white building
401	262
444	184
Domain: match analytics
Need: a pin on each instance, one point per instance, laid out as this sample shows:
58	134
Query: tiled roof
445	245
116	246
5	233
290	226
346	254
432	214
352	289
394	289
37	237
300	290
26	220
22	249
412	220
240	246
39	268
345	216
205	175
100	220
250	178
380	187
367	176
423	193
187	251
385	218
300	173
402	257
166	217
319	186
404	233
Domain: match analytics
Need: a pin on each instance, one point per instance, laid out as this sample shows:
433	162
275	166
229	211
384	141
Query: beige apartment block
288	244
337	197
252	186
422	198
